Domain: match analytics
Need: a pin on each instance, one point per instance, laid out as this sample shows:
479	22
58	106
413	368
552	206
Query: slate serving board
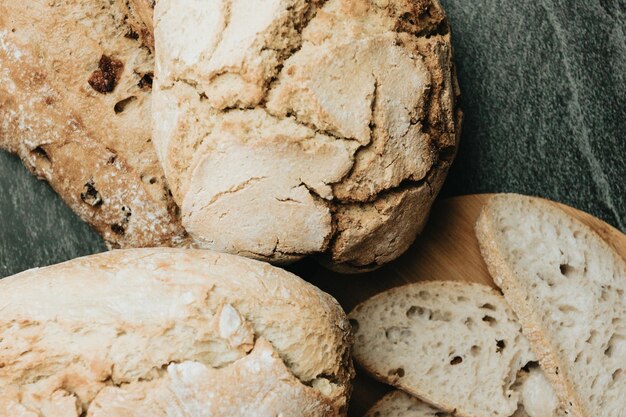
544	94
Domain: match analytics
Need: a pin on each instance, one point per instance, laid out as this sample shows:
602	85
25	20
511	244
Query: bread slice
170	332
567	287
455	345
400	404
75	92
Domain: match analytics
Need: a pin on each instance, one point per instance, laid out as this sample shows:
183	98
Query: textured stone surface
544	92
36	227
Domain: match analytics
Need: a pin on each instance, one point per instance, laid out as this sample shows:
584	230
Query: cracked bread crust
301	127
140	20
159	331
75	86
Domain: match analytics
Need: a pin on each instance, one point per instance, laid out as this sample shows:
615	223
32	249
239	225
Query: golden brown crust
151	321
75	106
311	121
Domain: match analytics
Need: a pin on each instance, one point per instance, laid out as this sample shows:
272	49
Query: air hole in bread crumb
424	295
566	308
456	360
121	105
462	299
488	306
613	341
355	325
500	345
393	334
118	229
617	375
567	270
414	311
592	336
490	320
91	195
145	83
530	365
398	372
40	152
475	350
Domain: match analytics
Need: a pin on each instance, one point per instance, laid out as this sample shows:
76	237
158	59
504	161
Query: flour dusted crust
297	127
166	332
75	86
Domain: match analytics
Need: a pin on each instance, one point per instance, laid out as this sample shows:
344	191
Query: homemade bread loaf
75	86
400	404
292	127
567	287
170	332
455	345
140	19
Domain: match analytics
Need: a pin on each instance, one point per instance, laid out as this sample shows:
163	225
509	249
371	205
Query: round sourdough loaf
169	332
295	127
75	87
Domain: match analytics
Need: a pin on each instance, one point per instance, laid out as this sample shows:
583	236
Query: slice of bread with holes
400	404
567	286
455	345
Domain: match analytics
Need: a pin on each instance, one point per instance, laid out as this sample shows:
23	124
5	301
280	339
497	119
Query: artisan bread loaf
75	86
400	404
140	20
567	287
292	127
168	332
455	345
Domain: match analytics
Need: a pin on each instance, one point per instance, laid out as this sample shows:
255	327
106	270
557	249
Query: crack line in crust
437	130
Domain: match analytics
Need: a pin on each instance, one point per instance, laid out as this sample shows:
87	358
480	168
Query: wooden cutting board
447	249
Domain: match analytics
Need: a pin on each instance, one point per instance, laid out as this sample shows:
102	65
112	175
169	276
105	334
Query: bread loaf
75	86
567	287
454	345
140	19
292	127
167	332
399	404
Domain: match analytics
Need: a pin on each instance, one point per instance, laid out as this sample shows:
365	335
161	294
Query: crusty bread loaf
140	19
169	332
75	86
455	345
294	127
567	287
400	404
